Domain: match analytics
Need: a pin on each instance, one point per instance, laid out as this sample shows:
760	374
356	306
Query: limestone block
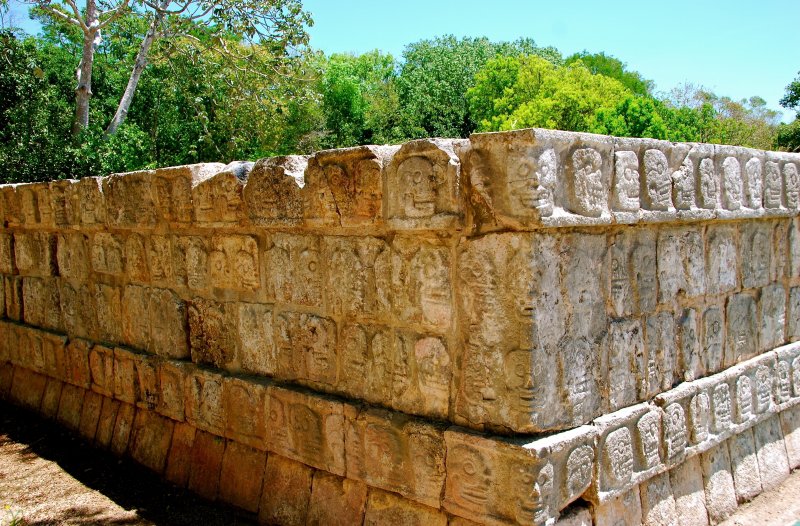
35	204
345	187
707	180
257	351
69	406
189	262
108	254
528	177
72	254
50	398
34	253
27	388
306	348
78	370
627	374
722	258
756	250
355	287
546	344
11	206
62	195
780	258
88	201
681	263
101	365
136	258
386	509
41	299
122	428
658	502
721	396
306	428
366	363
217	200
129	199
718	483
794	248
732	183
424	185
234	263
241	476
159	259
716	354
773	462
791	185
394	452
90	415
172	376
168	325
661	352
421	374
31	349
203	406
675	423
500	481
336	501
773	316
246	406
690	355
179	457
206	464
741	333
124	376
147	381
784	391
273	191
78	309
212	332
7	264
622	510
790	425
12	288
744	464
752	178
108	302
294	269
172	189
687	488
287	492
105	425
629	450
136	316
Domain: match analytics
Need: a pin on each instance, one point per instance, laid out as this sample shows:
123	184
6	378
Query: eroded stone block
218	198
105	425
108	254
793	315
661	353
168	325
658	502
354	286
773	463
687	489
366	362
179	458
753	182
386	508
681	265
722	261
746	477
136	258
287	492
204	401
129	199
742	338
773	317
87	201
294	269
211	332
69	406
122	428
336	501
273	194
790	426
101	365
34	253
756	250
172	387
42	302
626	363
73	256
623	510
306	348
234	263
257	351
206	464
27	388
188	262
690	357
718	483
7	265
241	476
246	407
12	289
108	301
90	415
172	189
78	310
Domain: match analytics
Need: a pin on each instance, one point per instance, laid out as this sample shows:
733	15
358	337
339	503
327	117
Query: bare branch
113	14
63	16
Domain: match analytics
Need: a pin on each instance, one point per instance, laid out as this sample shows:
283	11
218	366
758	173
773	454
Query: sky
735	48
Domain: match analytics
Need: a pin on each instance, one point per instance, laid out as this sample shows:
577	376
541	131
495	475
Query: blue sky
735	48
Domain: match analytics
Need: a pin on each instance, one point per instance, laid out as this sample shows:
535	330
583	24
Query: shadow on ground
129	485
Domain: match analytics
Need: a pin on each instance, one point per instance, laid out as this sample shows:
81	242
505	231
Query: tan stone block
108	302
27	388
718	483
217	200
168	325
90	415
78	310
773	463
295	269
101	364
11	206
105	426
772	321
212	332
722	262
8	341
90	205
150	439
2	297
344	187
366	360
245	404
136	316
742	336
790	425
241	476
55	358
234	263
129	199
307	428
40	296
30	353
172	189
272	193
746	478
107	254
122	429
159	259
60	194
12	289
287	491
206	464
124	375
69	406
394	452
34	253
7	264
136	258
72	254
658	503
147	381
388	509
336	501
354	276
172	387
421	374
756	250
306	347
50	399
78	368
188	262
257	353
179	460
687	488
203	399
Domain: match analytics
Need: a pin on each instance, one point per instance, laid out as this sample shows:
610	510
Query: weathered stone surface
234	263
744	464
623	510
179	457
34	253
211	332
246	407
722	258
773	462
742	336
756	250
204	400
150	440
72	255
69	406
790	426
273	191
217	200
101	365
122	428
257	351
12	288
172	189
336	501
206	464
386	508
680	263
50	398
287	492
108	301
773	317
172	377
241	475
105	425
658	502
687	490
129	199
306	348
718	482
27	388
78	310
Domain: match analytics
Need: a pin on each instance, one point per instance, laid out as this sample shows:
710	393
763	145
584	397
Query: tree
602	64
788	136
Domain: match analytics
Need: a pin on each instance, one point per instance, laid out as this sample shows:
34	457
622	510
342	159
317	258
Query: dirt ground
48	476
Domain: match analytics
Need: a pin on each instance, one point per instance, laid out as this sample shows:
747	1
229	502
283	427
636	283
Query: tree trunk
138	67
83	92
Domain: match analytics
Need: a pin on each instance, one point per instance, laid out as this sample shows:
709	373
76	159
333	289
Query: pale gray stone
718	483
790	425
756	250
746	476
687	488
773	463
722	263
773	316
741	327
793	318
658	503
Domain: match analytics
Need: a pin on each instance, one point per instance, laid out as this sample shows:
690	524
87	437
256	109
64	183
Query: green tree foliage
602	64
528	91
788	136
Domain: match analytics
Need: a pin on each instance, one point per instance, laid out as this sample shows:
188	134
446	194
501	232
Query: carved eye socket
469	468
417	176
312	266
523	169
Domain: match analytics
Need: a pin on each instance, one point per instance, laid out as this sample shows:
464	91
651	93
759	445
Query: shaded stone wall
394	329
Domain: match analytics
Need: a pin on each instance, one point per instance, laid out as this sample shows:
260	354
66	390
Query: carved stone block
753	181
690	350
626	363
756	247
78	310
129	199
212	332
34	204
421	374
41	299
168	325
108	302
707	179
136	258
742	336
204	401
306	348
626	191
172	189
101	365
336	501
633	285
354	283
257	351
424	185
386	508
306	428
773	185
189	262
88	202
234	263
34	253
681	263
394	452
294	270
715	353
722	259
732	182
286	500
773	316
366	363
136	316
62	195
273	191
172	378
218	198
108	254
12	288
793	315
246	407
72	254
7	265
791	185
159	259
661	354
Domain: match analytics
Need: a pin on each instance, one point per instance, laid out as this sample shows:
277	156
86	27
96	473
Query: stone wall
497	330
